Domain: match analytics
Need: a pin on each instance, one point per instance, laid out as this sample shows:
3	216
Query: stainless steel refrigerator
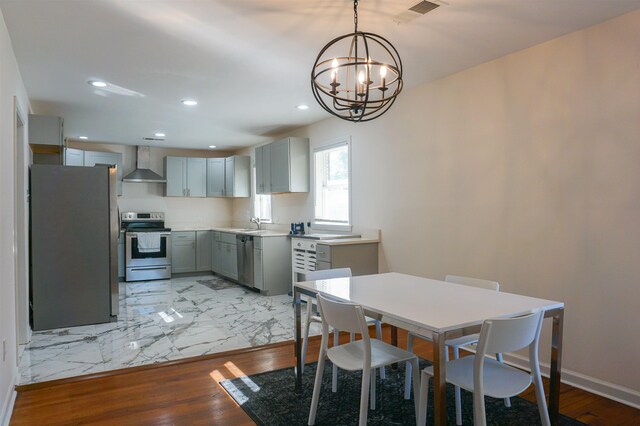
74	246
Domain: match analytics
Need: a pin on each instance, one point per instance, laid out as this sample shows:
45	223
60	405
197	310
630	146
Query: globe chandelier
362	84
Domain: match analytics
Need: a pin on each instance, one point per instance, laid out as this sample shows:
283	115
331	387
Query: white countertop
243	231
343	241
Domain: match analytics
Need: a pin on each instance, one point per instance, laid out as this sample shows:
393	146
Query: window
261	203
332	184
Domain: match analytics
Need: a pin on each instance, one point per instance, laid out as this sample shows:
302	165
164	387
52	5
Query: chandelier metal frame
357	98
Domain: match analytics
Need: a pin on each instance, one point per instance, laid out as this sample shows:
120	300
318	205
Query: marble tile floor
161	321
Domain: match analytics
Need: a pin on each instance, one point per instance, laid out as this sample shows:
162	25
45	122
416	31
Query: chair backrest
326	274
501	335
473	282
342	315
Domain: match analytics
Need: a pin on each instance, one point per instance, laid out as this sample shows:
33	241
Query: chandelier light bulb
383	72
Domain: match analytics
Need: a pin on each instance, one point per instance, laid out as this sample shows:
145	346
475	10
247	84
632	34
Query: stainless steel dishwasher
245	259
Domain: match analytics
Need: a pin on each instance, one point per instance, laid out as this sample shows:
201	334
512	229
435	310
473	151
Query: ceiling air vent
424	7
416	11
153	139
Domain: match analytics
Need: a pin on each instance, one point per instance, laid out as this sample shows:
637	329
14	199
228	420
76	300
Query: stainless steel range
147	246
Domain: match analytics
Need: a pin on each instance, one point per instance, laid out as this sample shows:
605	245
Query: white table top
423	303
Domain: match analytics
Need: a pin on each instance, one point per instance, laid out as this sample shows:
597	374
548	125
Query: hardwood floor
187	393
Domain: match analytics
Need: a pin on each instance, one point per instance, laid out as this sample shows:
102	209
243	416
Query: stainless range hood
143	173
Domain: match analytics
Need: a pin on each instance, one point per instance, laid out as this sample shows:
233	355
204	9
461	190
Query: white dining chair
366	354
456	343
485	376
326	274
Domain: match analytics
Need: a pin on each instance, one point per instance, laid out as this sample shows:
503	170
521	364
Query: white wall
179	212
523	170
10	85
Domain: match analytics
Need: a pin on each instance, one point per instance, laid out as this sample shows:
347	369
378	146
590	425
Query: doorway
21	214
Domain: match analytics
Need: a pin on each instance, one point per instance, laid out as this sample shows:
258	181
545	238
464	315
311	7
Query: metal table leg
297	353
556	365
439	380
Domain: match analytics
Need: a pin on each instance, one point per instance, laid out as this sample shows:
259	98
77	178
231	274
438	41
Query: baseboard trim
608	390
9	401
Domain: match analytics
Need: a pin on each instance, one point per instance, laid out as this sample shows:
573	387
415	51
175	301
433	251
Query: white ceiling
247	62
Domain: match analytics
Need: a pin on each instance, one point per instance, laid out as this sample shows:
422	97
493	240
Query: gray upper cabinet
197	177
237	176
229	177
45	130
215	177
283	166
73	157
186	176
175	169
263	169
91	158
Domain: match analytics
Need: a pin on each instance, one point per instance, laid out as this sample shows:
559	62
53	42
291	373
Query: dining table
439	309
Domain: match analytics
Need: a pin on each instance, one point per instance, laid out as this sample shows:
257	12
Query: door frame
21	225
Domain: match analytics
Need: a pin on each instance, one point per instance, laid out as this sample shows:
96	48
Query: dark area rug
217	283
270	399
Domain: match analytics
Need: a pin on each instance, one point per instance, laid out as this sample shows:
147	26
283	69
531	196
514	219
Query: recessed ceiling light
303	107
97	83
189	102
160	135
82	137
212	146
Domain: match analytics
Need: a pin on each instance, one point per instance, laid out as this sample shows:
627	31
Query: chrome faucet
256	220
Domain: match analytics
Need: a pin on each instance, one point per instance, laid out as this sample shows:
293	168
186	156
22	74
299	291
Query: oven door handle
162	234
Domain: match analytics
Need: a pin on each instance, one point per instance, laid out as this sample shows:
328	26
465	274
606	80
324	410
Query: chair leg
316	387
507	401
407	373
479	415
364	396
456	355
416	385
383	373
334	370
540	399
424	398
372	392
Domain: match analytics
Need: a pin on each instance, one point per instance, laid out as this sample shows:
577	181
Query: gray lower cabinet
215	251
272	265
203	251
183	252
361	258
225	256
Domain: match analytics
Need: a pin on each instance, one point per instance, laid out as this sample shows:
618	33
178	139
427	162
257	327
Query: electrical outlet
4	350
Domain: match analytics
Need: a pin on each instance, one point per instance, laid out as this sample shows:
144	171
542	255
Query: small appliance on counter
298	228
147	246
